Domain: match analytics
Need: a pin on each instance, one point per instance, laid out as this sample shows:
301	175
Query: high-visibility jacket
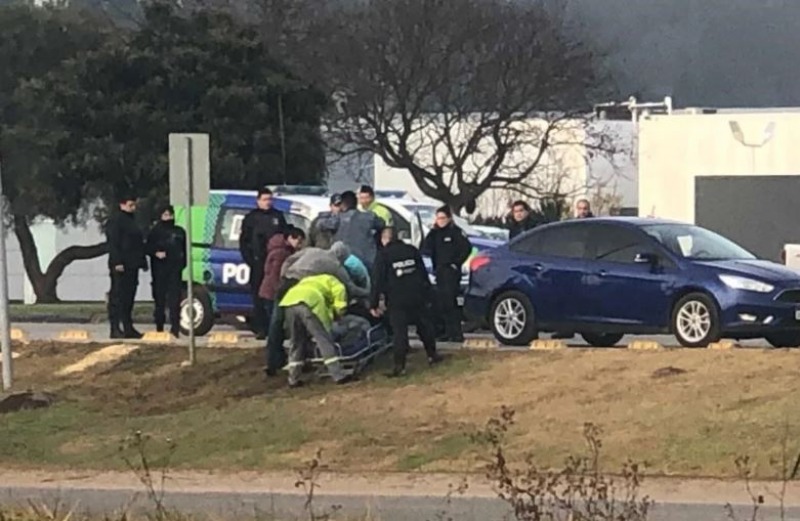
323	294
382	212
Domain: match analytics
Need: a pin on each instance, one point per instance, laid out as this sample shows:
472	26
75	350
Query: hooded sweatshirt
278	250
315	261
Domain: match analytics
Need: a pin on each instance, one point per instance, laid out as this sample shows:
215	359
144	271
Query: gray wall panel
762	213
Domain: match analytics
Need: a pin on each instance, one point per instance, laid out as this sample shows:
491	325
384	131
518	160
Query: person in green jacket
311	306
367	203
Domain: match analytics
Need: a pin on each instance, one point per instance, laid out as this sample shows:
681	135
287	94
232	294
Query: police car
220	274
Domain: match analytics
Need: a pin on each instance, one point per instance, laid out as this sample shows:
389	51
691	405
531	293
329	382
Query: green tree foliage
92	117
35	41
199	73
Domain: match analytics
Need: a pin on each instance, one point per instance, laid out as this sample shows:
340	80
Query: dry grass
223	415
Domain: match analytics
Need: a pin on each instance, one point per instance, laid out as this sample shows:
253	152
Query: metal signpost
189	185
5	330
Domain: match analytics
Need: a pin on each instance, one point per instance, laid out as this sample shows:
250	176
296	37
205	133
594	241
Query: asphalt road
99	332
228	505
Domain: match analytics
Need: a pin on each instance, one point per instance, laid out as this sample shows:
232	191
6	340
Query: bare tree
466	96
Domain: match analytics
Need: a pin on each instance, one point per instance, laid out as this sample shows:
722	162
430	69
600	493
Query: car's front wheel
602	339
512	319
790	339
203	312
695	320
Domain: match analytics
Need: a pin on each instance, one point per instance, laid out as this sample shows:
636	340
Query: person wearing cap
317	237
126	256
367	203
166	246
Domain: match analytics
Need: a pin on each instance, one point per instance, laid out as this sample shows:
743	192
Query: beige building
734	171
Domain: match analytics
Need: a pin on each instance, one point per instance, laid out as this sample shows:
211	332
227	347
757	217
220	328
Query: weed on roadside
579	491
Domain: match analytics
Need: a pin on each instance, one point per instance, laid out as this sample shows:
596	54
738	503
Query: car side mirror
646	258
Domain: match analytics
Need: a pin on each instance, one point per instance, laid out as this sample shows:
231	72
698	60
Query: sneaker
175	333
435	359
396	373
160	328
116	334
346	380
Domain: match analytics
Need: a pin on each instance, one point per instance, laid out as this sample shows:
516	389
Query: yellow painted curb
480	343
18	335
723	345
224	338
548	345
645	345
74	335
162	337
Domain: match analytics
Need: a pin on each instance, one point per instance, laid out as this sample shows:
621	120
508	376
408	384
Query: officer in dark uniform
166	246
399	276
126	257
449	248
258	228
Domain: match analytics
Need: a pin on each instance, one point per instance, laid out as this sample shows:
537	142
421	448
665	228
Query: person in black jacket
521	219
400	277
166	246
258	228
126	257
449	248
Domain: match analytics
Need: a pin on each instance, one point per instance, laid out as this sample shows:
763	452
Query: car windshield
693	242
428	215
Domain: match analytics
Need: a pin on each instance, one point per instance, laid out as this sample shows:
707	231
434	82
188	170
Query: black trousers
121	297
276	355
258	317
400	317
448	287
167	287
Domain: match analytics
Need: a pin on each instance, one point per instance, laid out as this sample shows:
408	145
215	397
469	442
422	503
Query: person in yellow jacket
311	306
367	202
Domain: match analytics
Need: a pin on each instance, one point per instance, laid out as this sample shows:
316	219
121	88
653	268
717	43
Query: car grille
789	295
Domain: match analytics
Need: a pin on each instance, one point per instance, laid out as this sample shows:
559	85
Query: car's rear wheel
203	312
695	320
790	339
512	319
602	339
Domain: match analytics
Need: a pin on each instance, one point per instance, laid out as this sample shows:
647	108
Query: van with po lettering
220	275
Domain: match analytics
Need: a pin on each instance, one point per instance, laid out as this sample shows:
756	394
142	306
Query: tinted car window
230	226
617	244
557	241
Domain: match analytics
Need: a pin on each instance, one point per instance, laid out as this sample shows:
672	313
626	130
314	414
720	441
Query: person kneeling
310	308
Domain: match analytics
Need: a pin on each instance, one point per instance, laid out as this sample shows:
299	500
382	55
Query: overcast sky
702	52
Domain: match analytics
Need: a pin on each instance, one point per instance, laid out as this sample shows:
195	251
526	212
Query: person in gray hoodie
359	230
306	263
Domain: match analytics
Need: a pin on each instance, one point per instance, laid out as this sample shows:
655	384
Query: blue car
606	277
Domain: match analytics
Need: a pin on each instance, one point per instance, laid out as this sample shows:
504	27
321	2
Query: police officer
166	246
449	248
399	276
126	257
258	228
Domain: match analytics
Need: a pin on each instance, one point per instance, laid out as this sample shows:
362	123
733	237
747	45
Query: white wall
673	149
85	280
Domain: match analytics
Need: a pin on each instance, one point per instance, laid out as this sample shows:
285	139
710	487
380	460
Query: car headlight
745	284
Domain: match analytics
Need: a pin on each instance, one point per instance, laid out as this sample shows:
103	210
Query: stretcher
357	355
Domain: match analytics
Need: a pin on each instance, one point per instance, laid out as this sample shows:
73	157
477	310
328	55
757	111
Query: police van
220	274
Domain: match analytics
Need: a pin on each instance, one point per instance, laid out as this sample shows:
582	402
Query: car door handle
538	267
602	273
